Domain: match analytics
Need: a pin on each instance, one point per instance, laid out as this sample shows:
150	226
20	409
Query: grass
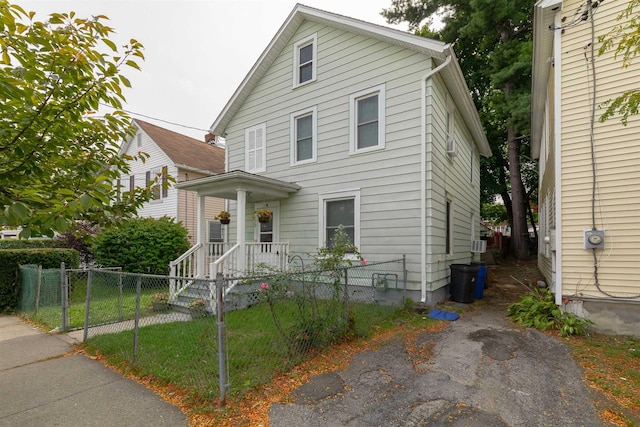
185	354
612	367
111	301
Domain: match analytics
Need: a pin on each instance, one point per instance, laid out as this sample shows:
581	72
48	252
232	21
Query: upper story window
255	140
304	136
157	180
367	123
305	58
139	139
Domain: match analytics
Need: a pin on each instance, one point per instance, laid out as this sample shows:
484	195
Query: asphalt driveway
483	372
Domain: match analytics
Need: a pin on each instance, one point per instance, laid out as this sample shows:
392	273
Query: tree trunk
519	231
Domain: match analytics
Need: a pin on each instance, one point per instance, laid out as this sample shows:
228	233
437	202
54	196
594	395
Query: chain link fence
41	294
215	337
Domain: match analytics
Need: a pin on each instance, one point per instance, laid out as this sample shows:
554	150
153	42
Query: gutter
423	174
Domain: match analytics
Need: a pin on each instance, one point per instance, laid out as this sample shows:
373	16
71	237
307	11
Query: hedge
31	243
10	259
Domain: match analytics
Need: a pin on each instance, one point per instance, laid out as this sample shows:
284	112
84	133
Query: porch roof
226	186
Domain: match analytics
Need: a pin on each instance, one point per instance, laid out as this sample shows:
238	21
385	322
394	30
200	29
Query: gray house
344	122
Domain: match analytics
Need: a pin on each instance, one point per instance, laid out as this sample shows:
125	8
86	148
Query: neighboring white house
344	122
589	175
182	157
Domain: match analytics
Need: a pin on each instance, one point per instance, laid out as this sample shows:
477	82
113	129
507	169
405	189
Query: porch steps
194	291
242	296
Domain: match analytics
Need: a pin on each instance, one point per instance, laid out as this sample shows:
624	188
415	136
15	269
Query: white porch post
240	229
201	237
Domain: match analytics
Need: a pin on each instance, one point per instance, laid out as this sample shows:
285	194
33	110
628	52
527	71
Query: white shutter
255	148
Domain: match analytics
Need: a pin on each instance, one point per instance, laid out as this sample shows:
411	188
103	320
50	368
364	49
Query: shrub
80	237
538	309
31	244
141	245
10	259
320	315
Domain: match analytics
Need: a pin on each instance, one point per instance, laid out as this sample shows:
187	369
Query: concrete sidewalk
44	385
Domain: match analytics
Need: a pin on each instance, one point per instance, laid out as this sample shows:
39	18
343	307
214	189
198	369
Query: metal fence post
346	295
137	319
120	298
222	374
64	295
404	278
87	305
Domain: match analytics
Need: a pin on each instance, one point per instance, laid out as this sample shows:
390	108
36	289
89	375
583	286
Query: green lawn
111	301
186	353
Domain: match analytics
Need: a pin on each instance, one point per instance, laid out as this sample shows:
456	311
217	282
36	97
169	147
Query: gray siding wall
389	179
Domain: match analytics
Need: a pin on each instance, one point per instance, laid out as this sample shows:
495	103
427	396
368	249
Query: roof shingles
184	150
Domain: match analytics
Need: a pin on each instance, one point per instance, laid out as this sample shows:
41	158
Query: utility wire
155	118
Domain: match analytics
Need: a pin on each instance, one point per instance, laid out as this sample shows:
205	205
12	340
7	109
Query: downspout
423	176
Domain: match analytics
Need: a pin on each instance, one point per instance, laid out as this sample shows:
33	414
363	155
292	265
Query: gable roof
437	50
183	150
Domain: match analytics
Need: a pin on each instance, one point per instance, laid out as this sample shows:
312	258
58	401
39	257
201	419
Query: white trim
334	196
313	111
353	118
274	207
311	40
250	166
557	141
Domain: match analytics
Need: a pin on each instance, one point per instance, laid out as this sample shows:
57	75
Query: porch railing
223	258
186	265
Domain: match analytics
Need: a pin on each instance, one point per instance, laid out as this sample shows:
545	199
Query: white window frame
252	167
450	124
449	233
156	174
313	40
322	213
217	223
353	121
313	112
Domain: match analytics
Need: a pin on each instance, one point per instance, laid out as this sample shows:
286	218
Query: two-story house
589	194
183	158
341	122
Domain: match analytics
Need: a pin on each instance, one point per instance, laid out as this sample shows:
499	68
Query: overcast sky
197	52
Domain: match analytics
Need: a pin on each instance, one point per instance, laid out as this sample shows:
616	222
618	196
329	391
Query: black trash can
463	282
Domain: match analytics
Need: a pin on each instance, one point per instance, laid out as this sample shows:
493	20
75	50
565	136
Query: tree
627	36
59	162
493	41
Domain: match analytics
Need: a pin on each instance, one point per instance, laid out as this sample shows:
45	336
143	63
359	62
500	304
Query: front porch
235	255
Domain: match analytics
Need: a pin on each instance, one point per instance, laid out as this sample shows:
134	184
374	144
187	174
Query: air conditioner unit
452	147
478	246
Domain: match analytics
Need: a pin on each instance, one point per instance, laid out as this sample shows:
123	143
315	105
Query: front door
266	235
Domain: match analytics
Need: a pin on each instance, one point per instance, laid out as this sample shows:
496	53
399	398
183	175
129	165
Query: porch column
201	268
240	229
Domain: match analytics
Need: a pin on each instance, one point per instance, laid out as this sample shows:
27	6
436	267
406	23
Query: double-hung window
157	180
255	139
341	209
304	136
305	59
367	124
